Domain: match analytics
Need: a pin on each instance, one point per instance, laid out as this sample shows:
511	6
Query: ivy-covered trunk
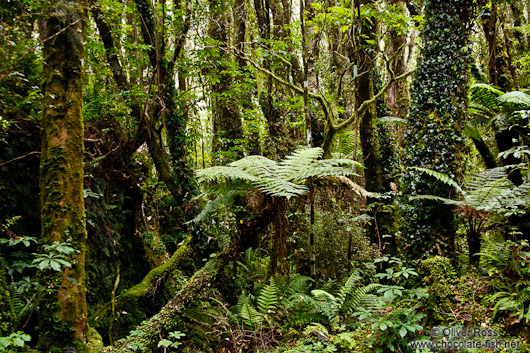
61	179
434	134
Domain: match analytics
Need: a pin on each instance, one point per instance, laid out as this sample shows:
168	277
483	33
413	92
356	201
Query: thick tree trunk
253	145
227	127
373	172
62	203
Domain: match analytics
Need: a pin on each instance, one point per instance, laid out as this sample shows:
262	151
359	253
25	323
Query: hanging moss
434	137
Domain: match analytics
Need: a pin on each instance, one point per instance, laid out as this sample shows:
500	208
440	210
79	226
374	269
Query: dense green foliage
263	176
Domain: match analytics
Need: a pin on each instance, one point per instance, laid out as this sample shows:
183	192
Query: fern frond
517	99
444	178
486	96
228	172
251	317
347	288
257	166
326	303
361	297
436	198
281	188
268	299
297	162
523	29
322	172
298	284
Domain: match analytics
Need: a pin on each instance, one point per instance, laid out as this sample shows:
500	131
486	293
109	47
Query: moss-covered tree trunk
227	127
61	183
434	133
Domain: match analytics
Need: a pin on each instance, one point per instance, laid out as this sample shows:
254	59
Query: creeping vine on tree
434	136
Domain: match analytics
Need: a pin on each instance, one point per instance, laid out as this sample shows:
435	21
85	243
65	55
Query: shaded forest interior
264	176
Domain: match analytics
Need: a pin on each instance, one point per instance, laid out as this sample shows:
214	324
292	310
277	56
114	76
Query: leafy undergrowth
426	302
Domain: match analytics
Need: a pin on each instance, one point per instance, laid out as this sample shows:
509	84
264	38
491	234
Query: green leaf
402	331
55	265
164	343
44	264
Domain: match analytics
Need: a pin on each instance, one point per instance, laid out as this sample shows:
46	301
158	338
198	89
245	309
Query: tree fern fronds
436	198
485	95
338	162
228	172
444	178
523	29
321	172
488	189
494	254
478	110
297	161
517	99
258	166
477	181
281	188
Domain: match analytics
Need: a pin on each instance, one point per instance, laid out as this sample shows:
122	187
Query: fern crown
283	179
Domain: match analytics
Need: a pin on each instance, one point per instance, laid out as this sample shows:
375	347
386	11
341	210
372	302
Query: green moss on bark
61	183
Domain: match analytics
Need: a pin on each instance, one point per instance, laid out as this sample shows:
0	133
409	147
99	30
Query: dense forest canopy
264	176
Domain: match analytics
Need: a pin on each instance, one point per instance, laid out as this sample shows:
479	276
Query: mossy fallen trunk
148	282
164	321
62	174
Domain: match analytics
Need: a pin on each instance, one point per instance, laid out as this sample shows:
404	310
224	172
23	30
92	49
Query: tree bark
227	127
62	173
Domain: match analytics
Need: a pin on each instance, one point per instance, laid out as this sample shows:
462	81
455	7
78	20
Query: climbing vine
434	133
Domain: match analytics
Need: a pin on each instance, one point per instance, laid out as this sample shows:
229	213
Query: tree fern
489	190
284	179
484	97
